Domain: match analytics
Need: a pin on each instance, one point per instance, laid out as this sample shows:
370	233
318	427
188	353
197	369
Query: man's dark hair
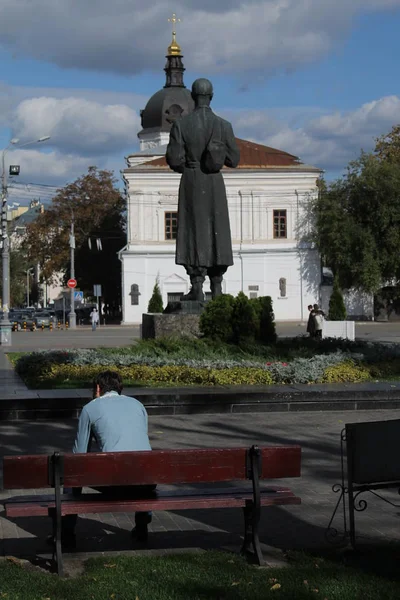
316	307
310	306
108	381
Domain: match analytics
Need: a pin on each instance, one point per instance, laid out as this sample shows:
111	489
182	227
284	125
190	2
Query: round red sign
71	283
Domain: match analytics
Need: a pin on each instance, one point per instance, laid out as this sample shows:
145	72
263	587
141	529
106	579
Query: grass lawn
210	575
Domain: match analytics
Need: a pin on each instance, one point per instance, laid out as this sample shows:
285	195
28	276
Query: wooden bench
159	467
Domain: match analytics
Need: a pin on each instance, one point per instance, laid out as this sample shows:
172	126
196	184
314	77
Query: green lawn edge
205	575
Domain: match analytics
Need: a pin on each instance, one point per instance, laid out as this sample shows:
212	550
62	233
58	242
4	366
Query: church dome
173	101
165	106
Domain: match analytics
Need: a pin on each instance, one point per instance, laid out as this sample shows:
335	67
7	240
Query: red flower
268	364
285	364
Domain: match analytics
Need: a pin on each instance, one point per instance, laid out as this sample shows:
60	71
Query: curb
65	404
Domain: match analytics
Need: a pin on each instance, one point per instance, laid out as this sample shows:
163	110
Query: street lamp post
72	313
29	272
5	325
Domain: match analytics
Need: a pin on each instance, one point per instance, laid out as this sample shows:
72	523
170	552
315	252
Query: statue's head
202	89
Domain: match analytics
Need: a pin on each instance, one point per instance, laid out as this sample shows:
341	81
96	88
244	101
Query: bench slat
96	503
151	467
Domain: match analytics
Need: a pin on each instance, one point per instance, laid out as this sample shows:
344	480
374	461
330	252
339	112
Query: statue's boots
196	292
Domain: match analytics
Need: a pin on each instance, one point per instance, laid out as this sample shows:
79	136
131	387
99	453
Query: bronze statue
201	143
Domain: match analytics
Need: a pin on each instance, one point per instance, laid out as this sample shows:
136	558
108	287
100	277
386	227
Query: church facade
269	197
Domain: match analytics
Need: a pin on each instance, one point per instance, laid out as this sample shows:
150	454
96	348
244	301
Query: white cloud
128	36
48	167
77	124
330	140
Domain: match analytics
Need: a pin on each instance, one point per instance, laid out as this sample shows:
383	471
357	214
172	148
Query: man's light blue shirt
119	424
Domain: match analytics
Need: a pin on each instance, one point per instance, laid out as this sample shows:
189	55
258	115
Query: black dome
165	106
170	103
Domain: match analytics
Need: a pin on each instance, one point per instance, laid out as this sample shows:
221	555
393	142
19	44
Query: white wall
259	259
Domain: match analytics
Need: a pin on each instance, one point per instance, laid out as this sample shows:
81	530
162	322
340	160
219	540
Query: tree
18	268
98	209
388	145
155	302
337	309
357	223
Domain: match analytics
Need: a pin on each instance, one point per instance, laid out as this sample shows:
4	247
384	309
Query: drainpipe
300	256
241	240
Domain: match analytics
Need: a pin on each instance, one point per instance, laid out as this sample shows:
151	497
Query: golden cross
174	20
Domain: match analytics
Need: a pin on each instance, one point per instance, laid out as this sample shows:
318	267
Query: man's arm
83	434
232	150
175	155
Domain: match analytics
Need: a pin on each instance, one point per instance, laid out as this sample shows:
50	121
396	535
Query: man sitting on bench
119	424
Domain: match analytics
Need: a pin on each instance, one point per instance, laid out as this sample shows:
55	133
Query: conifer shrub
337	309
155	302
245	322
266	329
216	319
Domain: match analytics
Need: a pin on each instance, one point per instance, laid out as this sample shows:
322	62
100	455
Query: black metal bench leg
256	543
352	523
247	541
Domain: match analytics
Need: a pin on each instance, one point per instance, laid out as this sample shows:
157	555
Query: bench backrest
150	467
373	451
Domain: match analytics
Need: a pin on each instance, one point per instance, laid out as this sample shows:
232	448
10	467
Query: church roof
252	156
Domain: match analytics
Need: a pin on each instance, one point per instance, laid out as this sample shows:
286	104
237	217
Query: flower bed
184	362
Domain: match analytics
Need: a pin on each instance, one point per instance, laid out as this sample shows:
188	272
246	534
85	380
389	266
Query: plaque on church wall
134	294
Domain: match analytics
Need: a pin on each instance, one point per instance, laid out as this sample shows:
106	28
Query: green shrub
155	302
245	323
166	374
216	319
266	332
337	309
346	372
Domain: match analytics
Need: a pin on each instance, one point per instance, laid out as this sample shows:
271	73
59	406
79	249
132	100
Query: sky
316	78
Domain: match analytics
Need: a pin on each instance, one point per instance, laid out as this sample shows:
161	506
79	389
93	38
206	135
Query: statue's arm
232	150
175	155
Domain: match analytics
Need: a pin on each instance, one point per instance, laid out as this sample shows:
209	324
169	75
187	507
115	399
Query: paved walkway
10	382
293	527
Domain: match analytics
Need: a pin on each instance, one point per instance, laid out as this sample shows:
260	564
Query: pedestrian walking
94	315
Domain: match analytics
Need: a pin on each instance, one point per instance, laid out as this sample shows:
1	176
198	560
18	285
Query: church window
171	225
280	224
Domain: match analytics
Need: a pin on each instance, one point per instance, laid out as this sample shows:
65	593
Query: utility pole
5	335
72	313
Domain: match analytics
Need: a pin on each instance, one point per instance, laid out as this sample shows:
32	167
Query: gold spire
174	49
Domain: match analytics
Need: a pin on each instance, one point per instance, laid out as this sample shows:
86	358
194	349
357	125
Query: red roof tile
252	156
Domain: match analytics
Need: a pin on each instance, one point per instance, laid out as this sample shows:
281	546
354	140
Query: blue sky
312	77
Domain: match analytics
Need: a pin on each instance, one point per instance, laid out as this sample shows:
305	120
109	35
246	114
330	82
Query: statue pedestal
179	319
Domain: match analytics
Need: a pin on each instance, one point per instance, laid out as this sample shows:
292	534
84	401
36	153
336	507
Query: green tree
337	309
155	302
388	145
98	209
357	223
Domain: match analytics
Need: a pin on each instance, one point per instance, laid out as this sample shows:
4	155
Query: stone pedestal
178	324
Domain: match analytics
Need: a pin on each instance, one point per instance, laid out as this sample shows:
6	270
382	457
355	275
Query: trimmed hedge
167	374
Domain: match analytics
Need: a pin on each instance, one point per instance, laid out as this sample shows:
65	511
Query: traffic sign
71	283
78	296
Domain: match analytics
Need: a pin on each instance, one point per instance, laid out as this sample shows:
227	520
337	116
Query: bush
346	372
266	333
245	324
216	319
166	374
337	309
155	302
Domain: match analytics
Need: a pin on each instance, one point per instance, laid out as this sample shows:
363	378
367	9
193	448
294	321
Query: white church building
269	195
